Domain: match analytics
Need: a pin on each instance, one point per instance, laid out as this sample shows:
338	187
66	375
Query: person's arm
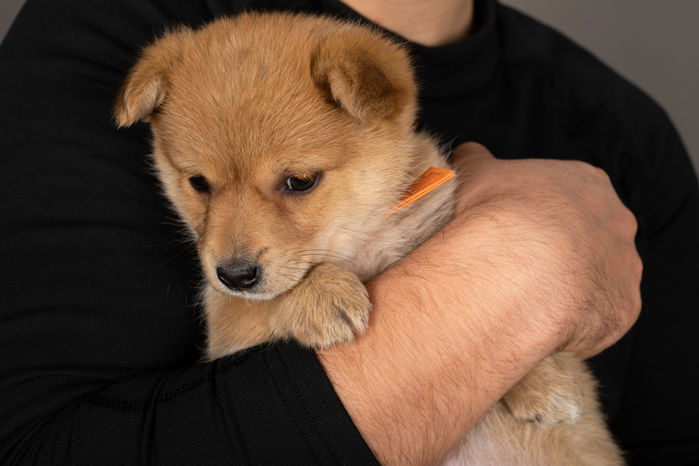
540	257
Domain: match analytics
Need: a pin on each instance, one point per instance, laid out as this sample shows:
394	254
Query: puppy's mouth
253	277
244	280
254	280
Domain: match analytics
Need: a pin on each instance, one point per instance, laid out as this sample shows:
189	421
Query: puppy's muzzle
239	275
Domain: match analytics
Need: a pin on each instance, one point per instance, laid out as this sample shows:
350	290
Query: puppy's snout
238	276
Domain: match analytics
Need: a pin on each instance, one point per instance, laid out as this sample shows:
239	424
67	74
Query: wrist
480	275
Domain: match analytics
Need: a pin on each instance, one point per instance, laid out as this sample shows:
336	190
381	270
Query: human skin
539	257
430	23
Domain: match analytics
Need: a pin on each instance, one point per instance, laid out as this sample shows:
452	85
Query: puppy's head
281	140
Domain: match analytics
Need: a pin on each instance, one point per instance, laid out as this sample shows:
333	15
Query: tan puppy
284	141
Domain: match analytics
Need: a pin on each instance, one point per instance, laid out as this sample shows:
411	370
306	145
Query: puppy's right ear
146	84
367	75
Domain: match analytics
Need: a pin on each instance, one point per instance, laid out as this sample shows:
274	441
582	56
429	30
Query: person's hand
566	230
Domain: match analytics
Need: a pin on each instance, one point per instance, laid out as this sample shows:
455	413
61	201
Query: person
98	325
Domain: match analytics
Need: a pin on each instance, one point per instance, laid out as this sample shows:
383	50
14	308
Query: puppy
284	142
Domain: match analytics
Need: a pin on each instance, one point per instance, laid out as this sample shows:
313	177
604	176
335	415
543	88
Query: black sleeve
658	421
99	330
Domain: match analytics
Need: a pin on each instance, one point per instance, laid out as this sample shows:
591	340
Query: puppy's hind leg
548	395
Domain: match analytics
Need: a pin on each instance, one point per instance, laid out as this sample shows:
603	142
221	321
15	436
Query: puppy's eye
302	184
199	183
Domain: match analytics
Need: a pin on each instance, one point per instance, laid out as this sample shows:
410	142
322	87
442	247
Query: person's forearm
540	257
413	384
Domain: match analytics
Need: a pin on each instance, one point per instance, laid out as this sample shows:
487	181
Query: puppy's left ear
146	84
367	75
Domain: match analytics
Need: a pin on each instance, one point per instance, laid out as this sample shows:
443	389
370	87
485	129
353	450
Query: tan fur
250	101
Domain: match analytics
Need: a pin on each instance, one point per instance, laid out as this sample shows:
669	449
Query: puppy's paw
331	306
547	396
545	409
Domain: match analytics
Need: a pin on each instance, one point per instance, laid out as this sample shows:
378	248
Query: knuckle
632	222
591	170
578	164
600	174
633	306
628	216
472	146
636	305
625	221
472	152
638	268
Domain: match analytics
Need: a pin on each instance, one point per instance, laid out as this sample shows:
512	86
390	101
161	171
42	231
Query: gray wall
8	11
653	43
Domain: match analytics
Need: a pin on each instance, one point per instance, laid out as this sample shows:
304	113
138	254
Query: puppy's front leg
329	306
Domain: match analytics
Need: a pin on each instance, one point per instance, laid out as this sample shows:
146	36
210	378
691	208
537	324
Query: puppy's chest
398	236
378	255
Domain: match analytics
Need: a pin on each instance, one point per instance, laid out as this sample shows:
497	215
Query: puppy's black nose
238	276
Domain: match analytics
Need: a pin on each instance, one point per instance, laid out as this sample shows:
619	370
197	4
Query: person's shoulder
578	77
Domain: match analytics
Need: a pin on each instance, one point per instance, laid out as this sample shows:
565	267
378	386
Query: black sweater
99	329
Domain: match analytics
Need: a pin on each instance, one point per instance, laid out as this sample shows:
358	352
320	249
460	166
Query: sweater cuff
315	407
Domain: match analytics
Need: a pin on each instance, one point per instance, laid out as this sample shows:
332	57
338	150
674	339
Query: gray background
654	43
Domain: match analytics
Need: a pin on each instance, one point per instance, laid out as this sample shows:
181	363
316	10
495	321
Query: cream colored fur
250	101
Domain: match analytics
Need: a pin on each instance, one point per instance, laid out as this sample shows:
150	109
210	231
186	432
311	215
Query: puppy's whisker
321	252
359	233
328	255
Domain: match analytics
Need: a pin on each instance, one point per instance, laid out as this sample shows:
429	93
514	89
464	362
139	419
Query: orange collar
426	183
